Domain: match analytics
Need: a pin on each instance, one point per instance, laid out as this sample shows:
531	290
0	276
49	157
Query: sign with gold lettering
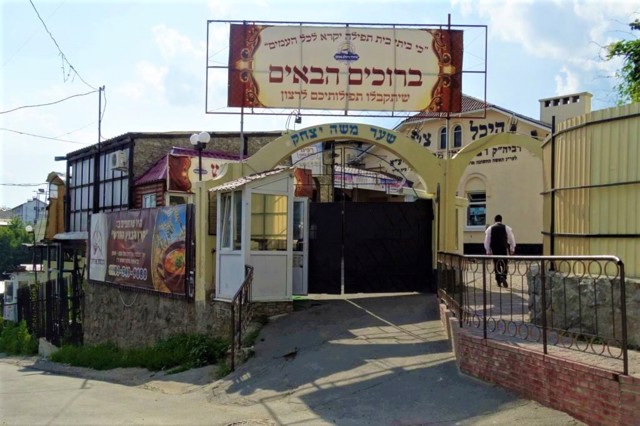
345	68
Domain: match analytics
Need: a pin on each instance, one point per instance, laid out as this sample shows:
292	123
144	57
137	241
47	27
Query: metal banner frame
217	68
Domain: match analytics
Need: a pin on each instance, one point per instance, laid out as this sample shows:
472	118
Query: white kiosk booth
255	226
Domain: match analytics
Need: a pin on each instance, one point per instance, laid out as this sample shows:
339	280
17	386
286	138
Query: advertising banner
367	180
345	68
98	239
140	248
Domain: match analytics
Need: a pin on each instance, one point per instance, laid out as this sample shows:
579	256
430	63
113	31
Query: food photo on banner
140	248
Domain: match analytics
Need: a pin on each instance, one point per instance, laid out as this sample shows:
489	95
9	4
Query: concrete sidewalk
375	360
381	359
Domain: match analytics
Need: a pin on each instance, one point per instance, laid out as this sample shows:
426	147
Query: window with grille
477	210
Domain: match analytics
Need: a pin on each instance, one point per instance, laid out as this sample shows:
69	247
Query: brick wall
588	393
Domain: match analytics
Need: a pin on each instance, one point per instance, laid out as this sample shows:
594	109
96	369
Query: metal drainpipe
552	222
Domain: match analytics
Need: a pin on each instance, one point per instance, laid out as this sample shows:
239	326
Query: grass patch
174	354
224	369
15	339
250	338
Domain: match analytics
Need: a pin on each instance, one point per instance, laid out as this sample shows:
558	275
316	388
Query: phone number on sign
140	274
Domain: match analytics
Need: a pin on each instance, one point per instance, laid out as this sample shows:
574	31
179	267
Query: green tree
629	75
12	251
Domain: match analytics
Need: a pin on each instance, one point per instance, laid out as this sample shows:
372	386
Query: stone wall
269	309
133	319
584	304
150	147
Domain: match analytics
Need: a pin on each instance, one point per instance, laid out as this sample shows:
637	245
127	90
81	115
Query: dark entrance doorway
385	247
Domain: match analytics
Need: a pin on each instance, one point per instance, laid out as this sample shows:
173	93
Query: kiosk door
300	246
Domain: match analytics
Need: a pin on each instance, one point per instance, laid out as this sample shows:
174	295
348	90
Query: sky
151	58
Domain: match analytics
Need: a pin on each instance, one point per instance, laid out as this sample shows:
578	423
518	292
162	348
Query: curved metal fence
571	302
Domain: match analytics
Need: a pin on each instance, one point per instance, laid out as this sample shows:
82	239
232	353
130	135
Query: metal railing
53	310
571	302
241	313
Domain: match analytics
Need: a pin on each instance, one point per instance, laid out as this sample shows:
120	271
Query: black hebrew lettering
426	138
473	129
483	130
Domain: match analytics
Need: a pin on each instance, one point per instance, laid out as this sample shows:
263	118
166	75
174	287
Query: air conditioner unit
119	161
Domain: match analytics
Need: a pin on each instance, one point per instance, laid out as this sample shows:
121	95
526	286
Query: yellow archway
444	174
455	168
425	164
461	160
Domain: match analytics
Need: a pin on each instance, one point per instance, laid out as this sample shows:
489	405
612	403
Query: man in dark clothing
499	241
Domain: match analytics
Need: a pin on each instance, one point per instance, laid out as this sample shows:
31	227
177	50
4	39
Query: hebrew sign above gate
345	68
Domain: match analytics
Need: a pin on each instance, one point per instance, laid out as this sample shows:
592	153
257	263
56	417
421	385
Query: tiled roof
469	105
158	172
155	173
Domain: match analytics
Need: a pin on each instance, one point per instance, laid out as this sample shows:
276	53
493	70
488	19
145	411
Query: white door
300	245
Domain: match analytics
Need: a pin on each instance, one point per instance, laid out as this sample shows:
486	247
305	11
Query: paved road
356	361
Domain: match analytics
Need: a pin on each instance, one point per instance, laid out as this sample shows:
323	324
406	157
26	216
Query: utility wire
76	130
49	103
42	137
23	184
62	55
29	38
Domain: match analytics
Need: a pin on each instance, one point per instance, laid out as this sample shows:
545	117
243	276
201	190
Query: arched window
457	136
443	138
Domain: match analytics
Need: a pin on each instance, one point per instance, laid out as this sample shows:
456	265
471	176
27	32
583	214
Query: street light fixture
200	140
31	231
